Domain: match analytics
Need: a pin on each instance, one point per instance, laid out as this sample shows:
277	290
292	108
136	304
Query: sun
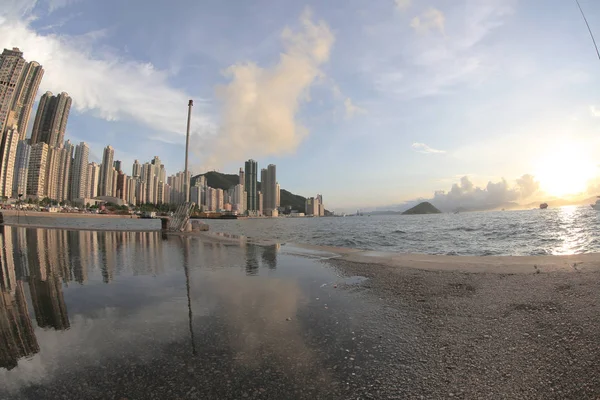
565	168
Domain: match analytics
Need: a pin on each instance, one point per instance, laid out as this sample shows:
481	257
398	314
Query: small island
422	208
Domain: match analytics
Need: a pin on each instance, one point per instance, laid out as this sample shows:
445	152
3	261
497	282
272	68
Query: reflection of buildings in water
269	255
46	266
107	246
251	260
16	331
48	302
20	252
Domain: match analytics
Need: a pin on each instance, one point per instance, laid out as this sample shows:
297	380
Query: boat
543	206
596	206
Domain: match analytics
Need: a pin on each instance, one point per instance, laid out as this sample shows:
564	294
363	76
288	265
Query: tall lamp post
187	147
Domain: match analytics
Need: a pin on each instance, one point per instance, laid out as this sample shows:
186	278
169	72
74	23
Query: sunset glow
565	169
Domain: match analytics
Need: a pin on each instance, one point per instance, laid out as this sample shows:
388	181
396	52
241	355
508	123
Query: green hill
218	180
422	208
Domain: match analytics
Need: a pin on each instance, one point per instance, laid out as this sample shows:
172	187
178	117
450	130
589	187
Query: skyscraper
242	181
106	172
250	185
52	173
25	96
51	119
36	174
268	187
93	180
79	172
64	171
9	154
117	165
21	168
19	82
136	171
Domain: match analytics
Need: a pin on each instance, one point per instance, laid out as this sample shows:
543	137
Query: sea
558	231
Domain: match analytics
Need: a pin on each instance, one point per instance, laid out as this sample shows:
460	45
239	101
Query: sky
372	104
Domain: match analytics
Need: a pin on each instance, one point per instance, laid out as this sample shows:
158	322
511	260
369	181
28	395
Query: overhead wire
589	29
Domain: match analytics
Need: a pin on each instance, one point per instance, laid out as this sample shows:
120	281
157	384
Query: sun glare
565	169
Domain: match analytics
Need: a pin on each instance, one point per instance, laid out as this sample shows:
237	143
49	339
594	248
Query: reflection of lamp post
186	267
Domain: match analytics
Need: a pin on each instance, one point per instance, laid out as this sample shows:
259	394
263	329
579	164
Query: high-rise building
131	186
21	168
106	172
9	154
52	173
320	206
19	82
26	93
117	165
122	187
64	172
79	172
260	201
277	195
93	180
314	206
36	174
136	171
113	189
251	168
148	178
51	119
242	180
219	199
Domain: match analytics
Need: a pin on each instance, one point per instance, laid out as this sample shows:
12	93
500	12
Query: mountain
218	180
422	208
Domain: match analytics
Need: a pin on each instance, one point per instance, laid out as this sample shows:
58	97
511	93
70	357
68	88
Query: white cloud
260	104
425	64
102	84
594	111
352	109
423	148
431	19
403	5
54	5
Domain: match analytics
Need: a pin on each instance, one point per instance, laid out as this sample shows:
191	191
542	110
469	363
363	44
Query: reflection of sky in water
121	294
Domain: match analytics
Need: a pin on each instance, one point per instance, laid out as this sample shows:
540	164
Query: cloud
103	84
423	148
403	5
427	66
260	104
54	5
465	195
594	111
431	19
352	109
528	186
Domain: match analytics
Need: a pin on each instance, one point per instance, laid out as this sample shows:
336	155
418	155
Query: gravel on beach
485	336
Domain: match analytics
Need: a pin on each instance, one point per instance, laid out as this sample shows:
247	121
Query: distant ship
543	206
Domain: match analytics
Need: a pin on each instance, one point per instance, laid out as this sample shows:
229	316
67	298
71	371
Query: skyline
401	98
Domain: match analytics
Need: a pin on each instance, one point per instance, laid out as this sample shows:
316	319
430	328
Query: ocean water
565	230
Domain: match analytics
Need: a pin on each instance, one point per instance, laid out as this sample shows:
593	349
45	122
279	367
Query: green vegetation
218	180
422	208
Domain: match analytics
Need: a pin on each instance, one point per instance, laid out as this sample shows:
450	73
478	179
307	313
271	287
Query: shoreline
576	263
